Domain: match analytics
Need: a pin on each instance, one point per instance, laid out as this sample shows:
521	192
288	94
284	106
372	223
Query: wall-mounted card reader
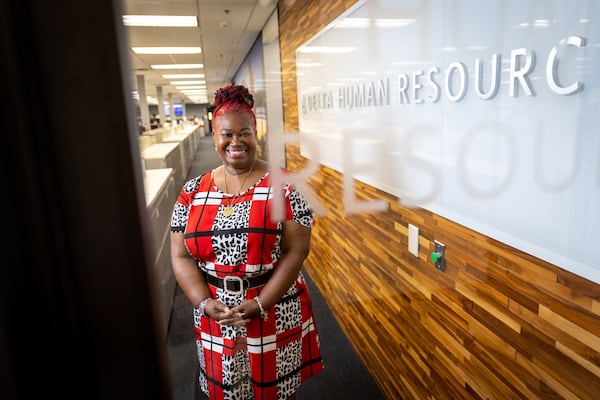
438	256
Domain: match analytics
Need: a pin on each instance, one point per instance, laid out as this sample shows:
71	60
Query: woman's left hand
242	314
222	314
236	319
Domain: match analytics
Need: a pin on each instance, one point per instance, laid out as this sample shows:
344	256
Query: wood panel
498	324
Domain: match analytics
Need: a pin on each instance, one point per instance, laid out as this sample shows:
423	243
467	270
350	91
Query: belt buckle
239	280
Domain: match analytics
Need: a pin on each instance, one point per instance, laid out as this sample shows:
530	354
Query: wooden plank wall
497	324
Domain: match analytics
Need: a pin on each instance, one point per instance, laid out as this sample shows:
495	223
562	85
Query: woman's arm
296	246
189	278
186	271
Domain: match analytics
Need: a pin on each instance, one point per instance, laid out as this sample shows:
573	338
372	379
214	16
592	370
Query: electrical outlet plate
413	240
440	250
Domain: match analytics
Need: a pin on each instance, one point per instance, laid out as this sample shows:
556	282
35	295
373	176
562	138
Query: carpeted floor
345	376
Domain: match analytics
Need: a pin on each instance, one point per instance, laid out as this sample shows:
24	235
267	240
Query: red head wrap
234	98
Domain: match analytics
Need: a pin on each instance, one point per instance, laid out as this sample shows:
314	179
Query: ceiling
226	32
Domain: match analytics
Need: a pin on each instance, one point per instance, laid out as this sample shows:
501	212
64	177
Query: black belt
237	284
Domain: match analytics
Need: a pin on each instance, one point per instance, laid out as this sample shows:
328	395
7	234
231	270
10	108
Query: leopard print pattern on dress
288	316
290	385
200	351
302	213
236	366
231	247
179	217
287	313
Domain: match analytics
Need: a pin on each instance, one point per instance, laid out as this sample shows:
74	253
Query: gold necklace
228	209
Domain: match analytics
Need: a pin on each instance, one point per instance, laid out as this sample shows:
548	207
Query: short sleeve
181	209
298	209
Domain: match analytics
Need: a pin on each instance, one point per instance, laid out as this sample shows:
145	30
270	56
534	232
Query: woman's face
235	139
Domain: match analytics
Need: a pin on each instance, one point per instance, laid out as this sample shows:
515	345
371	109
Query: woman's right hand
223	315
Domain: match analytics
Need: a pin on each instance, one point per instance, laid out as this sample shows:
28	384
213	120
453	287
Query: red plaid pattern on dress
264	359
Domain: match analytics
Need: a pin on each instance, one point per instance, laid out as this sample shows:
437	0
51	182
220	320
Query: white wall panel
390	90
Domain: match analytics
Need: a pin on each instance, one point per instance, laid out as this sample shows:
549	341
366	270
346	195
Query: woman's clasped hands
232	316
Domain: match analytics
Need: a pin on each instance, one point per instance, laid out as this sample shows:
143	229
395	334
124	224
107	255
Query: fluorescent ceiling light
475	48
542	23
166	50
353	23
176	66
393	22
379	22
160	20
183	76
191	87
175	83
326	49
538	23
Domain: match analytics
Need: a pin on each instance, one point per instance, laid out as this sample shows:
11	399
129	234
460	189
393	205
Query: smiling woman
241	268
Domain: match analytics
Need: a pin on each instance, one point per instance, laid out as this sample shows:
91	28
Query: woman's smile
236	152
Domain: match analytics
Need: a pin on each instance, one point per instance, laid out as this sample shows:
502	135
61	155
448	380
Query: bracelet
263	314
203	304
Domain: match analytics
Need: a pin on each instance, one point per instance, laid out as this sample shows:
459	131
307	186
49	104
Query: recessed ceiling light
166	50
160	20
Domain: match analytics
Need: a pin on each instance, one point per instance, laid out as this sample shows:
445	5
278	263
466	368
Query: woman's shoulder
194	184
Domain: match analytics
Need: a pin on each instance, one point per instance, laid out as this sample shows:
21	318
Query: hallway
344	377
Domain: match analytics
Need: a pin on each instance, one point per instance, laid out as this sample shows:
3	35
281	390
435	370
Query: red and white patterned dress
264	359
